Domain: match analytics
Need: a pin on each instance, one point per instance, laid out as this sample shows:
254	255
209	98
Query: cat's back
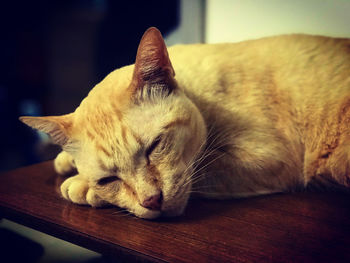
301	66
294	89
285	45
286	51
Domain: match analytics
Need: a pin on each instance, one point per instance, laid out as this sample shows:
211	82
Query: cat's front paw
64	163
77	190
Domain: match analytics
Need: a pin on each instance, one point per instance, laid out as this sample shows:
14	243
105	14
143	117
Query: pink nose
154	202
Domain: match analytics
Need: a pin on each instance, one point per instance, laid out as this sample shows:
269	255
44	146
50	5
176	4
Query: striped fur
237	120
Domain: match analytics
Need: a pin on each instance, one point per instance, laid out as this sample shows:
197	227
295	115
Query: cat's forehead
148	120
118	146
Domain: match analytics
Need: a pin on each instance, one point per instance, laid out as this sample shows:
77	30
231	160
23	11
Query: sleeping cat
237	120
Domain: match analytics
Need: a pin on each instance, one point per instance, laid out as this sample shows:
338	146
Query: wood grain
301	227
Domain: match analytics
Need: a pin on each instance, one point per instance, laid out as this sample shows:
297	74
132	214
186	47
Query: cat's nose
153	202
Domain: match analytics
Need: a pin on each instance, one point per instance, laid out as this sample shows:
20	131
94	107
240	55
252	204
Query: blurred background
52	53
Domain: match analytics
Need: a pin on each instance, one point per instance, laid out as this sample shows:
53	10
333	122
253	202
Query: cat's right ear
153	73
57	127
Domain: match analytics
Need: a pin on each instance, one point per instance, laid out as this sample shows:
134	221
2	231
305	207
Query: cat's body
257	117
280	106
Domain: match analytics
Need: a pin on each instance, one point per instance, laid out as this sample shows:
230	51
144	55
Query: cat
243	119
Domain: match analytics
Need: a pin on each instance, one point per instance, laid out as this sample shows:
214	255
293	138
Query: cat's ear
153	72
58	127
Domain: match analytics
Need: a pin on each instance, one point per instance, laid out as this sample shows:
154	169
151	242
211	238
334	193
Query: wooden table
302	227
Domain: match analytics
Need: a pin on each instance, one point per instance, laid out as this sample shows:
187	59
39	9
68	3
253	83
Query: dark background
53	52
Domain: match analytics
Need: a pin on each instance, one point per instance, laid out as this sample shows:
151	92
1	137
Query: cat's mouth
168	212
172	205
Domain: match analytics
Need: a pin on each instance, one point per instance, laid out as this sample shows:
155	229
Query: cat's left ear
153	72
58	127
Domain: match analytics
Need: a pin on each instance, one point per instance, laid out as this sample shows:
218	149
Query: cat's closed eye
153	146
107	180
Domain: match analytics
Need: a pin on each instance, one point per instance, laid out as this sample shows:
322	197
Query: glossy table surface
300	227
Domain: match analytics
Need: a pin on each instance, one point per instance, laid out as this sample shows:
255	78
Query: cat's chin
168	212
171	207
156	214
150	214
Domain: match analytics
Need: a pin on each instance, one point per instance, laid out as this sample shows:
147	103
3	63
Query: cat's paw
77	190
64	163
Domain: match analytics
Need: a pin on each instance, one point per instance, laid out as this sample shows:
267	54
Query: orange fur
256	117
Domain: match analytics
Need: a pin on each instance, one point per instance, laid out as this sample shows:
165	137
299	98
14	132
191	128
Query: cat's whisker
214	194
194	159
205	155
134	217
207	164
120	211
124	214
203	145
197	179
210	151
196	192
212	147
200	154
204	187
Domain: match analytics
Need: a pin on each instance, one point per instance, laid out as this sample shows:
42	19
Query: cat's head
136	136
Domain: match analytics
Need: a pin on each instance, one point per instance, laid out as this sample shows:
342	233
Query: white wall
191	24
236	20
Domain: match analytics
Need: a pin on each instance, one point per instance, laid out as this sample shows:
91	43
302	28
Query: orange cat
237	120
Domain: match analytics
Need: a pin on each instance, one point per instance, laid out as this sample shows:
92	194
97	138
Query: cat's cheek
124	198
177	205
